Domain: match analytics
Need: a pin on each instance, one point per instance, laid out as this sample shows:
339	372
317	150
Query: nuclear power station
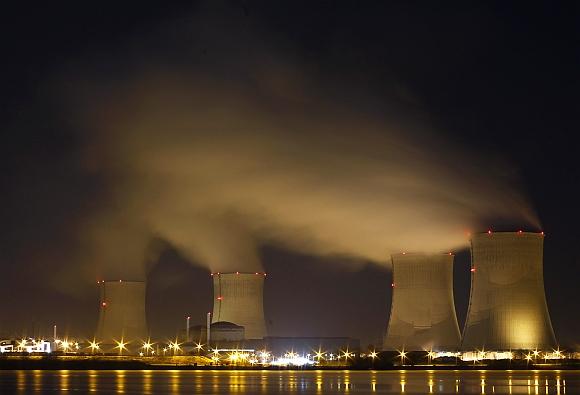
239	299
422	310
507	309
122	311
507	306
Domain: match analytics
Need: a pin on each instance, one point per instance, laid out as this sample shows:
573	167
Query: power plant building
422	310
507	306
239	299
122	311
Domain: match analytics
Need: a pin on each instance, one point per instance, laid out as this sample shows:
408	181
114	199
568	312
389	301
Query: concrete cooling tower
507	307
422	310
238	298
122	311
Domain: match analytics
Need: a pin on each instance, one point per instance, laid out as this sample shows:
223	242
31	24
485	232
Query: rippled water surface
298	382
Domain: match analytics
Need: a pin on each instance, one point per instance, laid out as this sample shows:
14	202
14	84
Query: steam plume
217	172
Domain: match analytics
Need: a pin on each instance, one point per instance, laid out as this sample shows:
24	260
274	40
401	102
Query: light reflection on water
298	382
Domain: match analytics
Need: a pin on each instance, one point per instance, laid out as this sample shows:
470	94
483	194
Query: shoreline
193	363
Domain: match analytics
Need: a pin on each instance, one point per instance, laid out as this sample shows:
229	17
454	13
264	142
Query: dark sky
499	79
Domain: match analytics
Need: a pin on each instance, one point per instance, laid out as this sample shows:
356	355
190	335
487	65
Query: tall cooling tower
507	307
422	310
239	298
122	311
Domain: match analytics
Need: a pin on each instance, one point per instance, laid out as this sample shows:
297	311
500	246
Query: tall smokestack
507	307
239	298
122	311
422	310
208	328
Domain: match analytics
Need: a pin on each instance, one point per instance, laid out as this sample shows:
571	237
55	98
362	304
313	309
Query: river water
285	381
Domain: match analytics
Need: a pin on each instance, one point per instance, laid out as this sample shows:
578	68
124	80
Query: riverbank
203	363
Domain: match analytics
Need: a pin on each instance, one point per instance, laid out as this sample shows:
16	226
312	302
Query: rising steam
218	165
217	174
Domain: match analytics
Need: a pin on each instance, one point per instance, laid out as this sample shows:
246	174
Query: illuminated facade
422	310
238	298
122	311
507	306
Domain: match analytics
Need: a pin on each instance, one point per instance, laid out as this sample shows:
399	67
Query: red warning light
472	269
489	232
220	298
542	233
237	272
104	304
393	285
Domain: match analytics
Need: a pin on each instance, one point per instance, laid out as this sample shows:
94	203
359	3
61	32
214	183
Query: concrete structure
310	345
238	298
422	310
122	311
507	306
222	331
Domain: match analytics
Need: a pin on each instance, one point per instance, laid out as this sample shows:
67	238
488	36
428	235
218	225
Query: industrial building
122	312
238	299
311	345
507	306
221	331
422	310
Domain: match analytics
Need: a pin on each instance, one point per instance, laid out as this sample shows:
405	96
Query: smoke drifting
217	160
217	172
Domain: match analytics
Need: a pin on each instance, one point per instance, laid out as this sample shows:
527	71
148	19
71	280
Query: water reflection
120	381
175	381
93	386
300	382
147	382
64	380
21	381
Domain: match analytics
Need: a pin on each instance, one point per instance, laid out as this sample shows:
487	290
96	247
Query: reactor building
122	311
422	310
239	299
507	306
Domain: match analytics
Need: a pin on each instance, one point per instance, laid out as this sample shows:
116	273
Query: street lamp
403	356
174	346
121	345
94	346
430	356
147	346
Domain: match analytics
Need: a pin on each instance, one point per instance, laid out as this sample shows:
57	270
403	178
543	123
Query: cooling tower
122	311
422	310
507	306
238	298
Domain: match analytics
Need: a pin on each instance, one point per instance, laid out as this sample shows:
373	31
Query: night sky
496	82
